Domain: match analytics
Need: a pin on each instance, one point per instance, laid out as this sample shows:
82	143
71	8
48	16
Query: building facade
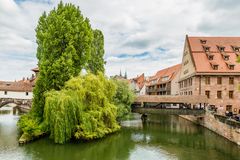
16	90
22	89
164	82
210	67
138	85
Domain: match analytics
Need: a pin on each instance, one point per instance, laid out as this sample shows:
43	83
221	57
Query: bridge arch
23	104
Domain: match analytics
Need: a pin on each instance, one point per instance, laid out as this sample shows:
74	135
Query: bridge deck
168	111
171	99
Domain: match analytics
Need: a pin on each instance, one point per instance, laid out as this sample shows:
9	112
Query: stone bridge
23	104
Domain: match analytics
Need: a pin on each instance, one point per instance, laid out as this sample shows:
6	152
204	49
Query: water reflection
164	138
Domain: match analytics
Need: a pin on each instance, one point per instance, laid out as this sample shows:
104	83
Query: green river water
165	138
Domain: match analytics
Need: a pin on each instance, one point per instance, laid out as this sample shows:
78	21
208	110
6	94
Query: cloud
150	33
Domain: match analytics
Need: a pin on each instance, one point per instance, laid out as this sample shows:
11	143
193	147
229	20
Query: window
186	71
231	94
210	57
26	93
206	48
5	92
219	94
231	67
219	80
229	108
226	58
215	67
207	80
221	48
231	80
185	63
235	48
190	82
203	41
189	92
207	93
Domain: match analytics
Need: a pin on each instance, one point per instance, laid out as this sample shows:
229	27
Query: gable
187	68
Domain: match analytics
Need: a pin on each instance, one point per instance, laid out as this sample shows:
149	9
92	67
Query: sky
141	36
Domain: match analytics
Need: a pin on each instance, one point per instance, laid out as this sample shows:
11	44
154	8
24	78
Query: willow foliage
83	109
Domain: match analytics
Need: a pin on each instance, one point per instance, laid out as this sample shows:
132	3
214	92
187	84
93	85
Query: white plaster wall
16	95
143	90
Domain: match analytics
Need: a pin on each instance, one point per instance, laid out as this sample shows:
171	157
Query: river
164	138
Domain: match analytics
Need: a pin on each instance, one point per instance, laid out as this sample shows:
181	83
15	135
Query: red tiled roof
201	61
19	86
169	72
139	80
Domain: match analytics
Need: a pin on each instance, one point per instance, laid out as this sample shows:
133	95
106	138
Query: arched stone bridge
187	105
22	104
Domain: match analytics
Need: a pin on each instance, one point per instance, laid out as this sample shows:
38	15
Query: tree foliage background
123	98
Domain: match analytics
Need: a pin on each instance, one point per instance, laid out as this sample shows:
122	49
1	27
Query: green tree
65	46
64	39
83	109
123	98
96	63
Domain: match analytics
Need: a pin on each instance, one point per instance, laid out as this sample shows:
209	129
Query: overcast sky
140	35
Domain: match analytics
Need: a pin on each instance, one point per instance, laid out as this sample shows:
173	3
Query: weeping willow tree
83	109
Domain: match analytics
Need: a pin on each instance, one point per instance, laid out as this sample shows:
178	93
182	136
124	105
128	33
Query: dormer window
226	57
206	48
210	56
214	65
236	48
221	48
230	65
203	41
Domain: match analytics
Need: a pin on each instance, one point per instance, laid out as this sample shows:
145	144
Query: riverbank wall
219	124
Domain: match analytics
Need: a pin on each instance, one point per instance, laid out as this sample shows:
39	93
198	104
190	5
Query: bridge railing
172	99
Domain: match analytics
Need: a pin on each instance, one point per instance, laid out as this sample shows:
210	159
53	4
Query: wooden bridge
22	104
169	111
184	105
172	99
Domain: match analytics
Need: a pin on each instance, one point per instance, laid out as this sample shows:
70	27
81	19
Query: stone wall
219	124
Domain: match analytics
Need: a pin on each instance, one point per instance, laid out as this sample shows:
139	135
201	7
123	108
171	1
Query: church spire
125	76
